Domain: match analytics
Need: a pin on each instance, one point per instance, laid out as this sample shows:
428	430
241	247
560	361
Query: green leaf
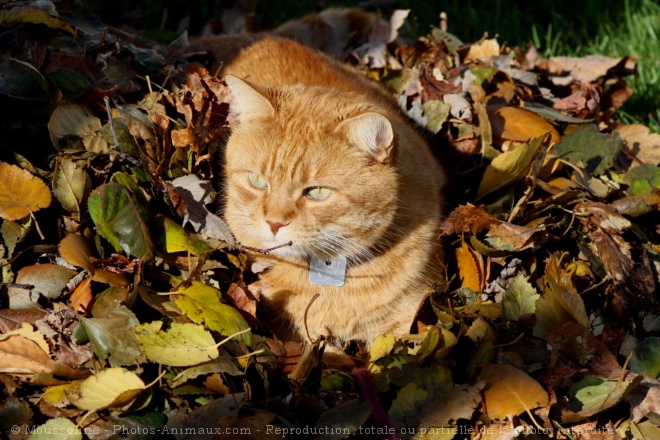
406	403
201	303
71	84
58	428
21	80
646	359
591	396
181	345
512	166
519	299
343	420
597	151
111	336
643	179
121	220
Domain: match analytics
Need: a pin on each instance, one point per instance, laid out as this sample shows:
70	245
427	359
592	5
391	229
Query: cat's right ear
247	104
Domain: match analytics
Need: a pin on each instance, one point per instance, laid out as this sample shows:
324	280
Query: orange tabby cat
322	158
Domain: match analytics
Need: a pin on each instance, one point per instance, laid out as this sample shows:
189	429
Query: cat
321	157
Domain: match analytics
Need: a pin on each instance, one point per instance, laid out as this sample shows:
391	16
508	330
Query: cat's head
311	166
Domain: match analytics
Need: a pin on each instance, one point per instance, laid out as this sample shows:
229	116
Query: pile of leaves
127	310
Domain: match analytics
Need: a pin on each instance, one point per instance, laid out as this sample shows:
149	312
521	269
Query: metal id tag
327	272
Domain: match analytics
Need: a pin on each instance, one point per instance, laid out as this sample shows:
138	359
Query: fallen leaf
71	185
201	303
587	145
110	388
483	50
343	420
445	405
21	193
111	336
22	356
470	267
28	332
646	358
121	220
70	120
642	143
559	300
58	428
519	299
512	166
180	345
593	395
517	124
588	68
510	391
643	179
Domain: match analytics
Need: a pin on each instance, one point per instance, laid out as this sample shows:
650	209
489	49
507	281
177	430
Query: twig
241	246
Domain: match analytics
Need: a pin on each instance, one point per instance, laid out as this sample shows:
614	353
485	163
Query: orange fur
305	120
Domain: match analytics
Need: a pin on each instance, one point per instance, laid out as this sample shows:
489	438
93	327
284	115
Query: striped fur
300	124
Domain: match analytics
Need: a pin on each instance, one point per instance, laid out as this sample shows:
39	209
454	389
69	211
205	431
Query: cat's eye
318	193
257	180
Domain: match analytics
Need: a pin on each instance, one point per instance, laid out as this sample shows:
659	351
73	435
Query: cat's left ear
247	101
372	132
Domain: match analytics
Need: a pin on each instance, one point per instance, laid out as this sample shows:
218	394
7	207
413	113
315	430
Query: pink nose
275	226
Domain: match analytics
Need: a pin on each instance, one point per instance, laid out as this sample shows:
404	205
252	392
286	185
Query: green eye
319	193
257	180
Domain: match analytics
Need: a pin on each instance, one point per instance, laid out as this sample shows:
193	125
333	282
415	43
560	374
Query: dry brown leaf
642	143
517	124
20	355
81	298
614	252
483	50
518	236
74	249
588	68
470	267
467	218
21	193
112	278
510	391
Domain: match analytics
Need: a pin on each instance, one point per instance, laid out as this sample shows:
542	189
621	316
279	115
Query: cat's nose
275	225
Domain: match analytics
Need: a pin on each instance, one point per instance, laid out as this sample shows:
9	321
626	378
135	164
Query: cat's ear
247	102
372	132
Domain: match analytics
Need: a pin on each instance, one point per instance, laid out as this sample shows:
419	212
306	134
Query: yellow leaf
58	428
56	394
510	391
381	346
511	166
111	388
517	124
181	345
21	193
470	267
201	303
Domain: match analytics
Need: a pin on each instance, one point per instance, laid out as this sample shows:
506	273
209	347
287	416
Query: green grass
636	33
